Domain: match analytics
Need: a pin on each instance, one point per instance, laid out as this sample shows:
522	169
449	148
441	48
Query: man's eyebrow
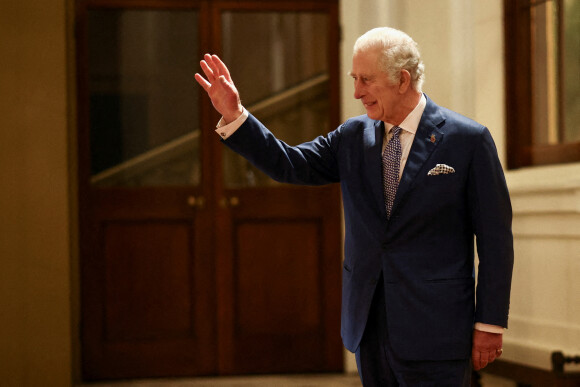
354	75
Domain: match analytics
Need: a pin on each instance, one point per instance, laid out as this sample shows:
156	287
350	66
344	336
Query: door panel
282	311
147	287
278	270
257	282
280	302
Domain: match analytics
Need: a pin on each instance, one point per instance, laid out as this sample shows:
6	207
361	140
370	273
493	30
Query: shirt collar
411	122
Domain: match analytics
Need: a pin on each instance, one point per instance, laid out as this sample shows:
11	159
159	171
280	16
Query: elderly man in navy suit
418	183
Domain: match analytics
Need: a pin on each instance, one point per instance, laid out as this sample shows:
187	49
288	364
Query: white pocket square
441	169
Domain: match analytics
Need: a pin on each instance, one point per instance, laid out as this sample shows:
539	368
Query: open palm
220	88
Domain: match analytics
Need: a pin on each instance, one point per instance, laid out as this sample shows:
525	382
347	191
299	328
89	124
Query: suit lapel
427	138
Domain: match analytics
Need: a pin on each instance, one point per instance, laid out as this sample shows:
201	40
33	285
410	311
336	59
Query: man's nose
358	91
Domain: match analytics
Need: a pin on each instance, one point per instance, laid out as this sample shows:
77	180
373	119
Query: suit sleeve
310	163
491	215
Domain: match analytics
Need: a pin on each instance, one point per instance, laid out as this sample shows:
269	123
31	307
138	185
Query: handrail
289	94
148	159
184	143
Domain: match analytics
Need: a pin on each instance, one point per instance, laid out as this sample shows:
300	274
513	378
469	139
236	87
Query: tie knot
396	130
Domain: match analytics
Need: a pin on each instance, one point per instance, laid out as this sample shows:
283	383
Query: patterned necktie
391	165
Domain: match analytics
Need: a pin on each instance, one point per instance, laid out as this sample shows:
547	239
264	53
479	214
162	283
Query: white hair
397	51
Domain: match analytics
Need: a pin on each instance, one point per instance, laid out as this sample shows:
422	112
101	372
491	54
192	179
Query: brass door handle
233	201
196	202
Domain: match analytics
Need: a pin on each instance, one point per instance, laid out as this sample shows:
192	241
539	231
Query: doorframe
210	39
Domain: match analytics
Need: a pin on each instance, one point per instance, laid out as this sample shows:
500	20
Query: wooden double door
192	261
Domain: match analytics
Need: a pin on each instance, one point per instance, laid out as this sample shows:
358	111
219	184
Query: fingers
480	360
208	69
214	69
475	356
225	84
221	67
484	359
202	82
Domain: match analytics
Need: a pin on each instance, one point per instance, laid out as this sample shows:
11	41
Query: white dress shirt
407	135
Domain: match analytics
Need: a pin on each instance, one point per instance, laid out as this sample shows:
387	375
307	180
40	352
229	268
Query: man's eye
362	79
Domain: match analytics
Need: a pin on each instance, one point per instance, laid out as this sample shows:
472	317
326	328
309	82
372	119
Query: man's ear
404	81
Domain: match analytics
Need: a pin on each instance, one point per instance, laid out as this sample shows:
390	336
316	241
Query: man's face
372	86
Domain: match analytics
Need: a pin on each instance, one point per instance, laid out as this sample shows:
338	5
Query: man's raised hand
220	88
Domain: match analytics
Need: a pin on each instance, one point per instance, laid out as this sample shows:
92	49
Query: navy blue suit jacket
426	250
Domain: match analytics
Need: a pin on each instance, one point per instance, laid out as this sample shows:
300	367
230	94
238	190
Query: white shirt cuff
226	130
488	328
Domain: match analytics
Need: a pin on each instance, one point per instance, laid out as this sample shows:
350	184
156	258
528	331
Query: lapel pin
433	139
